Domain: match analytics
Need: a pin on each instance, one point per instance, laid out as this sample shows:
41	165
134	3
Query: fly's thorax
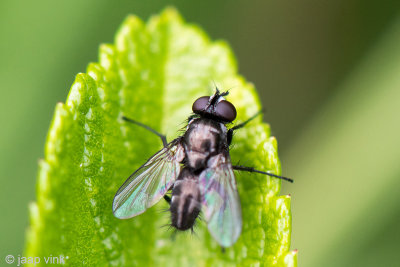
185	201
204	137
177	151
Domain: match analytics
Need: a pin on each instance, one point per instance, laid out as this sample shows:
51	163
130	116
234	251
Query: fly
197	169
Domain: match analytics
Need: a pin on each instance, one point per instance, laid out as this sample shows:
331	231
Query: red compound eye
226	110
200	104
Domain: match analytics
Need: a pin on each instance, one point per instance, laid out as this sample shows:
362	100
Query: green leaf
152	73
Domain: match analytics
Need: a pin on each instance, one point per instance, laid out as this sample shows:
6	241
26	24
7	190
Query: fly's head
215	107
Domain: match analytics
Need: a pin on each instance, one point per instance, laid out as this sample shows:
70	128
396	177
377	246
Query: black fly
197	168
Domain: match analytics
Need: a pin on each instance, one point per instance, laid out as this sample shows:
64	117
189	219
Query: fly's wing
147	185
221	205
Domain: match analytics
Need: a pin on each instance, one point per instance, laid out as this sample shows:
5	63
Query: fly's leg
251	169
168	199
163	137
241	125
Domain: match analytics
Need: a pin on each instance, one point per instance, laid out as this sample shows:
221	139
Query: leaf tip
132	20
171	12
290	259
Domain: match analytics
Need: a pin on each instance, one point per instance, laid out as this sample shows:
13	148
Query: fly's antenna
215	86
224	93
214	98
232	87
218	93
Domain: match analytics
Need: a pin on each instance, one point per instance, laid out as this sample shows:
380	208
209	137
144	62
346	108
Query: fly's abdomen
185	201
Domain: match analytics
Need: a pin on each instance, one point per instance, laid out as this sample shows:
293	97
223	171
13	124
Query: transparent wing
147	185
221	204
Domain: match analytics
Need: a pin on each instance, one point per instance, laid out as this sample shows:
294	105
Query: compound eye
226	110
200	104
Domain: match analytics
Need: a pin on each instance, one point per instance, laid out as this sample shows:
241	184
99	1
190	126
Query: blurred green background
328	73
